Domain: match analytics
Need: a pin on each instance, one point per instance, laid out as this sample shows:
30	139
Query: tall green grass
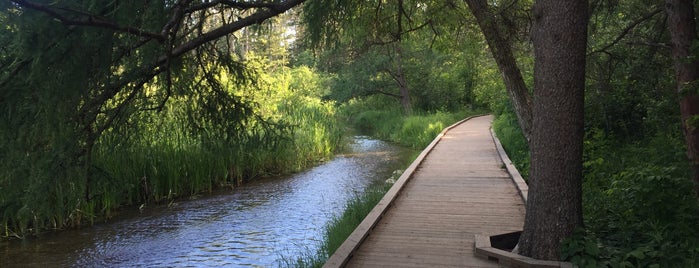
168	160
159	157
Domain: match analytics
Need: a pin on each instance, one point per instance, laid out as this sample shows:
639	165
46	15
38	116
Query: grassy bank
415	131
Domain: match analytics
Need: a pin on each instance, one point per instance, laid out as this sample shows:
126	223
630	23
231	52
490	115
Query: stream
256	225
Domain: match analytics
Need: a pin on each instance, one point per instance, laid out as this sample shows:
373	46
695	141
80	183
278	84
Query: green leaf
638	254
591	249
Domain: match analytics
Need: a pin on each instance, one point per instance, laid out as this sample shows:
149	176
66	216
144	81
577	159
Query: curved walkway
459	189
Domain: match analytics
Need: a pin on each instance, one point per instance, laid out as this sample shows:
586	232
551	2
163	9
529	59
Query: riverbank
251	225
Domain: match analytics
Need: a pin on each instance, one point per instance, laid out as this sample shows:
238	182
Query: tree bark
502	53
402	82
400	74
683	33
554	207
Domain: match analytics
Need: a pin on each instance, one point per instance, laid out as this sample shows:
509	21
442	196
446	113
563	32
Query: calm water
252	226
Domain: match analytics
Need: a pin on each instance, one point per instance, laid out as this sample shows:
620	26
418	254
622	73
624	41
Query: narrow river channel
252	226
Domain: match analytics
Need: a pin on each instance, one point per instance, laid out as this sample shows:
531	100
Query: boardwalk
460	189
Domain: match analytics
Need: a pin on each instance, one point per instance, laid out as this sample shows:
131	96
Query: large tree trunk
554	207
502	53
683	32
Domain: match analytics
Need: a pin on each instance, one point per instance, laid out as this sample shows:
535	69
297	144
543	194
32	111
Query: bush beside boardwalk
639	208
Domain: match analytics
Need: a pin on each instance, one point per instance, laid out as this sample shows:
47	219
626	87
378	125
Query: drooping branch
160	65
241	5
628	29
380	42
256	18
387	93
90	20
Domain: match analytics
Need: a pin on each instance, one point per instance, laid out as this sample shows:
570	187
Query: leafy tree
369	25
75	70
412	51
683	33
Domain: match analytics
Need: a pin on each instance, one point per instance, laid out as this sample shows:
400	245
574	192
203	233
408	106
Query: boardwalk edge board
511	169
351	244
484	250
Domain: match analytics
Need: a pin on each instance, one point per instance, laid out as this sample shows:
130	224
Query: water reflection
251	226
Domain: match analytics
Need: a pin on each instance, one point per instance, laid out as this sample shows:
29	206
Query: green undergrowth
507	130
639	207
389	123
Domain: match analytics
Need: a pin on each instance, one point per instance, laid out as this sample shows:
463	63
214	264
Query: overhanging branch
255	18
90	21
628	29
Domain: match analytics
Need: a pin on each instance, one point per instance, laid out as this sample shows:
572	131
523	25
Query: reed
159	157
169	161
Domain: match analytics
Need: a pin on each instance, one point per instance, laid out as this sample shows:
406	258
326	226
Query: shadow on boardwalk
457	188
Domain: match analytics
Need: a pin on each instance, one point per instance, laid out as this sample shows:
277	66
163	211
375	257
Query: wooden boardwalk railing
457	188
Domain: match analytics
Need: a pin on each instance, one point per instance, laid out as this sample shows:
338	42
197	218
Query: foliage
510	135
174	153
639	207
629	93
645	218
431	54
384	120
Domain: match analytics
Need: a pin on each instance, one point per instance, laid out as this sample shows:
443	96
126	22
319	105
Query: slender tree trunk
554	207
402	82
400	74
502	53
683	32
